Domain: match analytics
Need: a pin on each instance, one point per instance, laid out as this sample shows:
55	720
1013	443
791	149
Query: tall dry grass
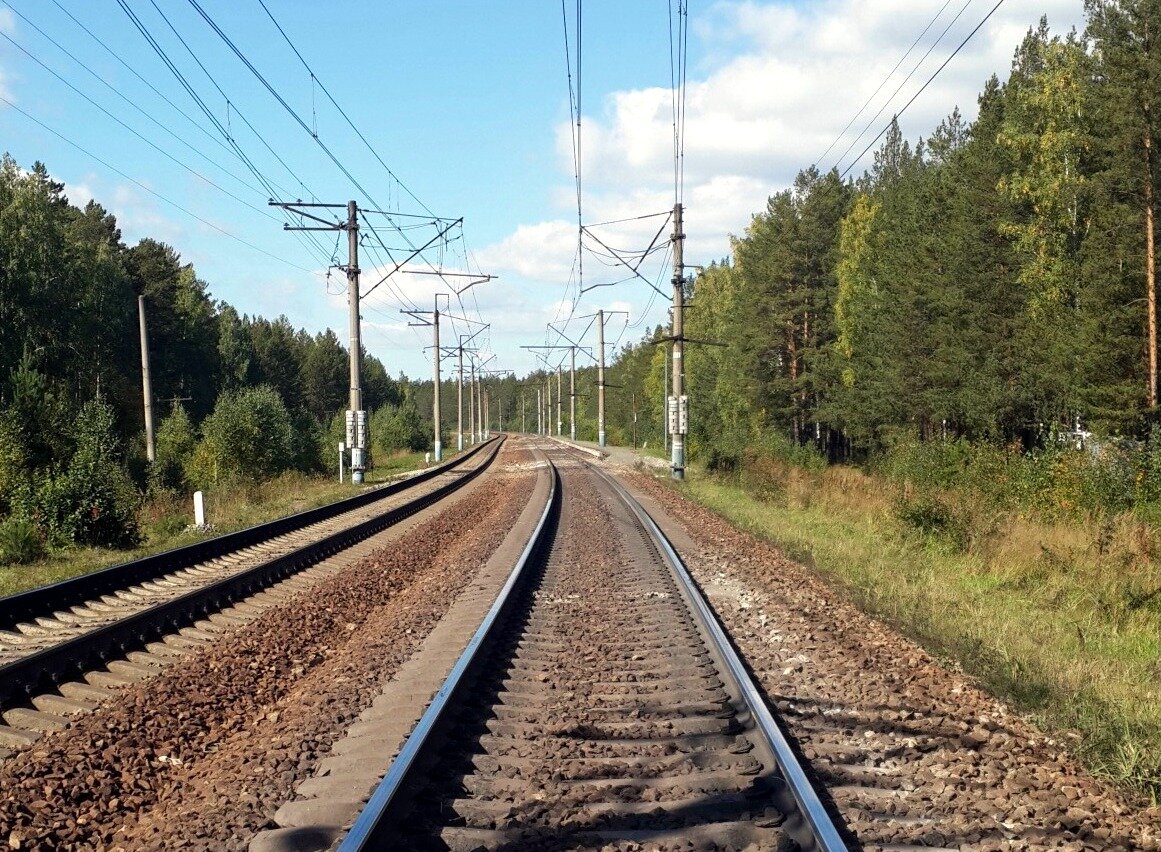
1057	610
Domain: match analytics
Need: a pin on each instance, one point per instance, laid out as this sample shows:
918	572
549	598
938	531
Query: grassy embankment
165	521
1061	617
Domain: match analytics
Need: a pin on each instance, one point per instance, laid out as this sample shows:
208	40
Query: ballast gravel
911	753
200	756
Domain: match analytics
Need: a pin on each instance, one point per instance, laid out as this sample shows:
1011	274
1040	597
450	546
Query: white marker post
199	509
342	449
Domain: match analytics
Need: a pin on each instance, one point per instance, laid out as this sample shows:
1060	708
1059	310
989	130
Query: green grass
164	520
1061	619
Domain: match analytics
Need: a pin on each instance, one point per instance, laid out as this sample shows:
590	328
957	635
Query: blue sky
467	103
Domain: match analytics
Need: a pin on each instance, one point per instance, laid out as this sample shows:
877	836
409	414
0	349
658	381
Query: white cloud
541	251
7	26
777	84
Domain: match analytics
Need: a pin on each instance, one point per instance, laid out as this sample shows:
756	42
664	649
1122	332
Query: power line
342	112
890	74
152	192
148	142
136	74
925	85
127	99
678	53
268	185
299	120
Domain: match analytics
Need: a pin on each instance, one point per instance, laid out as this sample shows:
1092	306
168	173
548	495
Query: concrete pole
665	403
479	407
460	402
472	405
358	448
572	394
146	383
601	378
523	424
677	457
539	414
438	455
559	394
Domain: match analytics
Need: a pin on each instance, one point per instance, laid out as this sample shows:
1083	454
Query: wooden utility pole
1150	268
677	403
601	378
146	383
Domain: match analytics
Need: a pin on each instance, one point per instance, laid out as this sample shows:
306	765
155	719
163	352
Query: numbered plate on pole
683	415
677	414
361	429
350	428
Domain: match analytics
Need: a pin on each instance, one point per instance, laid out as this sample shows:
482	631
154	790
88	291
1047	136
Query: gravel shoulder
202	755
911	752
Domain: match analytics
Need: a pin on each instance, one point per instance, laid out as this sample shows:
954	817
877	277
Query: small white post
199	509
342	449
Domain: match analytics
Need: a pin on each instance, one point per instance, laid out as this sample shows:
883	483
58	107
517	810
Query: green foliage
13	462
176	443
93	502
248	436
395	428
20	541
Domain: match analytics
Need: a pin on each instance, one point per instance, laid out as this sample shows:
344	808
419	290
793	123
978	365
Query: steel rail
44	601
824	835
45	670
383	808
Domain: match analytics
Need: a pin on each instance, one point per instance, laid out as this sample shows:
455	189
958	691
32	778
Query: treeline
991	282
235	396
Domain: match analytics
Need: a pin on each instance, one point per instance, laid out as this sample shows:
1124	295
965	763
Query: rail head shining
362	833
824	833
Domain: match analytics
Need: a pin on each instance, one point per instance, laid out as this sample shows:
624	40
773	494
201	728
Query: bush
933	517
399	428
248	435
20	541
176	443
93	502
13	463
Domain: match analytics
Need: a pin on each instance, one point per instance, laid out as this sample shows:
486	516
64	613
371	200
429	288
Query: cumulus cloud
774	87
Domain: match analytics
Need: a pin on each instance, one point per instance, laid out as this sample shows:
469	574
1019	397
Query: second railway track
52	638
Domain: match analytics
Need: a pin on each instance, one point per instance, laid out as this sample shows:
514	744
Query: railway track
63	646
475	684
598	706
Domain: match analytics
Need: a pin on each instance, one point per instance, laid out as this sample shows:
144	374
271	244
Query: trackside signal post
357	436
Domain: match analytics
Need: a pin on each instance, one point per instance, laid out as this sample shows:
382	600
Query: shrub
13	463
20	541
399	428
93	501
934	518
176	443
248	435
